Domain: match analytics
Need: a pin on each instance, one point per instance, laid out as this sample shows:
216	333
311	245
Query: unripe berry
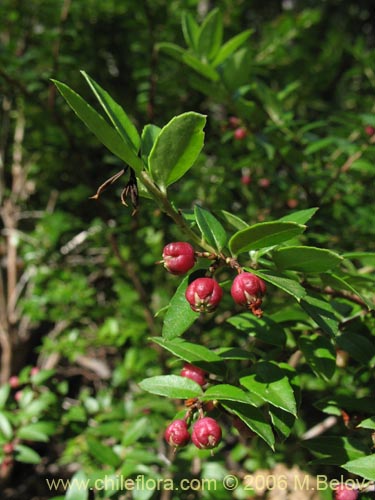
14	382
177	434
247	288
240	133
178	257
194	373
344	492
204	294
206	433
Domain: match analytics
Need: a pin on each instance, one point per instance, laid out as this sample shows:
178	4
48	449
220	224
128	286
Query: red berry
14	382
264	182
194	373
177	434
240	133
178	257
292	203
206	433
234	121
8	448
34	371
247	288
344	492
245	180
369	130
204	294
18	395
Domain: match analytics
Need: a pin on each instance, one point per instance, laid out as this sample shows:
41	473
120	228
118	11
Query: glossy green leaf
149	135
200	67
336	450
37	431
4	394
98	125
234	221
288	285
187	350
212	231
116	114
231	46
172	386
5	426
271	384
78	487
300	216
190	30
135	431
264	234
306	259
319	354
253	418
360	347
210	35
179	316
176	148
264	329
368	423
27	455
364	467
322	313
282	420
229	392
103	453
172	50
339	283
42	376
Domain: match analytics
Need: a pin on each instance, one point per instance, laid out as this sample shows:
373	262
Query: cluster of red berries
206	432
204	294
240	132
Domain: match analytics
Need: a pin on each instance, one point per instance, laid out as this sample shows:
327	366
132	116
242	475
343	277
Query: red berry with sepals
248	290
194	373
240	133
204	294
344	492
206	433
177	433
178	257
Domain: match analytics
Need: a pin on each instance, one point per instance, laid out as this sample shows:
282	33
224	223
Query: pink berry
177	434
234	121
292	203
18	396
34	371
206	433
204	294
245	180
247	288
194	373
8	448
240	133
178	257
369	130
14	382
264	182
344	492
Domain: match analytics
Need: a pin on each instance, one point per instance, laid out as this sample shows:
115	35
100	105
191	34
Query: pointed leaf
230	47
338	283
271	384
116	114
301	216
229	392
188	351
190	30
322	313
210	35
27	455
265	234
179	316
319	354
172	386
176	148
212	231
4	393
263	329
103	453
364	467
5	426
336	450
200	67
97	124
282	420
306	259
149	135
290	286
78	487
234	221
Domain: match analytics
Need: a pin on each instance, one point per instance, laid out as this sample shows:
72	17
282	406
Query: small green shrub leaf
306	259
319	354
364	467
171	386
179	316
210	35
212	231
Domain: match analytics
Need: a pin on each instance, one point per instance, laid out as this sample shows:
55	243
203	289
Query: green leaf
210	35
179	316
301	216
78	487
316	146
149	136
336	450
322	313
263	329
319	354
231	46
176	148
271	384
4	394
282	420
264	234
172	50
360	348
104	454
368	423
42	376
27	455
5	426
188	351
212	231
306	259
116	114
339	283
190	30
234	221
364	467
135	431
38	431
200	67
97	124
253	418
172	386
290	286
229	392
